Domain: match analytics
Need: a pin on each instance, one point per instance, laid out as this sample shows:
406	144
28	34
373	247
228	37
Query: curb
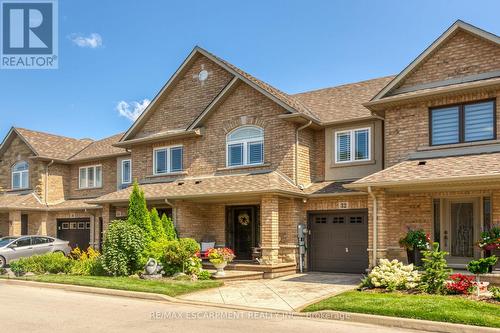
405	323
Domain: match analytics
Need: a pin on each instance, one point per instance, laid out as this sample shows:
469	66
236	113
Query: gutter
297	150
374	220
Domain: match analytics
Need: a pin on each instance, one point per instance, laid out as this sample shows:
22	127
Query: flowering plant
490	240
220	255
392	275
460	284
415	239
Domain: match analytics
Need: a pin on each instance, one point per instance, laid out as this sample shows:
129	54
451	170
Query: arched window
20	175
245	146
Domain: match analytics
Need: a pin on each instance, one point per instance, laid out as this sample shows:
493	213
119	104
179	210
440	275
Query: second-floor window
20	175
90	176
167	160
462	123
245	146
126	171
352	145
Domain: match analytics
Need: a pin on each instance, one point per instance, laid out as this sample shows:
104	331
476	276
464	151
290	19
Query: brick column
270	229
382	221
15	223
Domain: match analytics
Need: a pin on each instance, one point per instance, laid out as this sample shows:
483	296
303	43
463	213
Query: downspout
47	181
374	220
174	210
297	150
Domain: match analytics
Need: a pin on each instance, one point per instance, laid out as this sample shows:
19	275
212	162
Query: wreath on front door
244	218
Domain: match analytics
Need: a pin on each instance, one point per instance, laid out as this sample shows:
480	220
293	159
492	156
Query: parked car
15	247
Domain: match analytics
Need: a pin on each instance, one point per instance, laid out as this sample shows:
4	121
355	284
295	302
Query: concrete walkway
287	293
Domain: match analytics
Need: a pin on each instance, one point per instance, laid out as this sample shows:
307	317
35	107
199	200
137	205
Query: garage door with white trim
338	241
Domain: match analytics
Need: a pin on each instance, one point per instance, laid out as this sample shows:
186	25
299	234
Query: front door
242	230
24	224
461	229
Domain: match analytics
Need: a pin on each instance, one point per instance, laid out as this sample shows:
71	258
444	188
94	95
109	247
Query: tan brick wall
269	211
58	183
19	151
318	158
207	154
108	179
306	154
407	126
187	98
200	221
463	54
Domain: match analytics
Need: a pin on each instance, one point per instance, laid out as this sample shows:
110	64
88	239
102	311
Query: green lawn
164	287
452	309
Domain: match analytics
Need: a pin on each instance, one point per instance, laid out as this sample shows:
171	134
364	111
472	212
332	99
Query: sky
114	56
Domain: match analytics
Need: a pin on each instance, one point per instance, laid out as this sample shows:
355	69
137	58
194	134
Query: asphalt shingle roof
100	148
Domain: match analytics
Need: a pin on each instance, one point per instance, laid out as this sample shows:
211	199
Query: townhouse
238	162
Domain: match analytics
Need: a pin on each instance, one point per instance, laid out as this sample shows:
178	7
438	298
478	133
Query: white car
15	247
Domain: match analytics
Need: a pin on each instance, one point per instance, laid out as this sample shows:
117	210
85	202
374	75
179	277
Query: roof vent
180	183
422	162
197	182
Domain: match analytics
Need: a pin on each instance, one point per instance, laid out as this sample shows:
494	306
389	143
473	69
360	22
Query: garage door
338	242
75	231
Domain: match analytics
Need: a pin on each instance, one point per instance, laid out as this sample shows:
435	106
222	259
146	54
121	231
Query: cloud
132	110
94	40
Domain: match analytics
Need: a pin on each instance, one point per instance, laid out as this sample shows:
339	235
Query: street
30	309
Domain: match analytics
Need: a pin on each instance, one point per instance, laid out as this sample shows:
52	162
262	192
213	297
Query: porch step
234	275
268	271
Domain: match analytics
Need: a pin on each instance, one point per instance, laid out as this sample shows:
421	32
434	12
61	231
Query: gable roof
100	148
288	102
458	25
45	144
345	102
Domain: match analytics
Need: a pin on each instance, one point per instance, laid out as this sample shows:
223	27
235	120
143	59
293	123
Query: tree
138	213
158	230
436	270
169	227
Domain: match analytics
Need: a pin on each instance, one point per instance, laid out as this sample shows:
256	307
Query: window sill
352	164
459	145
239	167
179	173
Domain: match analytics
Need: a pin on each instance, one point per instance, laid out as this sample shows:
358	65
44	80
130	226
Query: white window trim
21	185
245	143
87	178
352	135
130	171
168	150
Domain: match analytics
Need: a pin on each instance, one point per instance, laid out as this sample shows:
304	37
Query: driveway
287	293
41	310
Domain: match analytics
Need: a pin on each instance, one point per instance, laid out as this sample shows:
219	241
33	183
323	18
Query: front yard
165	286
452	309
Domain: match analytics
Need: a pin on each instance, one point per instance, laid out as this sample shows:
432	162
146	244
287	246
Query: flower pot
414	257
220	268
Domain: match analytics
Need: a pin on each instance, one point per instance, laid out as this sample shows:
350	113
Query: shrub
48	263
460	284
180	256
169	227
415	239
204	275
392	275
481	266
122	248
158	230
86	262
436	270
495	292
138	213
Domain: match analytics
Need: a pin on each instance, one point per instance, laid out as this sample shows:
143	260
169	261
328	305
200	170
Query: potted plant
220	257
414	242
490	242
481	266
